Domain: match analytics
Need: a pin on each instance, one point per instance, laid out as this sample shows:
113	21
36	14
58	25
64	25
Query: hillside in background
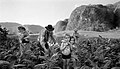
12	27
9	24
34	28
117	13
61	25
100	18
96	17
91	18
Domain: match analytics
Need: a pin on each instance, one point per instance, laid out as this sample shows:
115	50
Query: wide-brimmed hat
49	27
21	27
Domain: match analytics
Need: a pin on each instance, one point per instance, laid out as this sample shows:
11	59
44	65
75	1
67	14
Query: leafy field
93	52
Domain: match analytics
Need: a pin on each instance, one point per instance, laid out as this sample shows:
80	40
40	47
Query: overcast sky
41	12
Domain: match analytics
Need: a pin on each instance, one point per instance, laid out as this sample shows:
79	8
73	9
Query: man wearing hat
47	36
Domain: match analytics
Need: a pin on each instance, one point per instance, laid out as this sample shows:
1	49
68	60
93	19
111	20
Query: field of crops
110	34
93	52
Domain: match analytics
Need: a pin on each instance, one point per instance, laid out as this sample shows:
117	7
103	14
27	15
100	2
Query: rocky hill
91	18
117	13
97	17
61	25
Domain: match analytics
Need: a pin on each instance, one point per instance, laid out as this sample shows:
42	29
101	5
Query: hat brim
50	29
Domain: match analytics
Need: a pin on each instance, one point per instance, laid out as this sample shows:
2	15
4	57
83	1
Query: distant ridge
12	27
34	28
9	24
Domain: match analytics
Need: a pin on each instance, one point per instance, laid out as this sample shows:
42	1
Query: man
23	34
24	40
5	32
47	37
76	35
1	30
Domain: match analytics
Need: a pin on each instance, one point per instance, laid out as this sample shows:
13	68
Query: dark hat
21	27
49	27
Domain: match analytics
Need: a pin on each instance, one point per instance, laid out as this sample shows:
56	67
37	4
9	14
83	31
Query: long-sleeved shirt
46	36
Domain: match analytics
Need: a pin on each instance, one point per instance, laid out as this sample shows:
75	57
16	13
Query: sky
41	12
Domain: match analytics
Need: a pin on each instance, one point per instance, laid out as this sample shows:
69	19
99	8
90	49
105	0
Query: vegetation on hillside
61	25
98	17
91	18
